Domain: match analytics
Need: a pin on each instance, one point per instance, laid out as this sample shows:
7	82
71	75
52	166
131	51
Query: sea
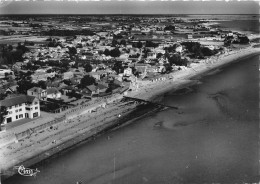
212	138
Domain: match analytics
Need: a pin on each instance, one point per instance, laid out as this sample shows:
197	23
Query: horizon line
129	14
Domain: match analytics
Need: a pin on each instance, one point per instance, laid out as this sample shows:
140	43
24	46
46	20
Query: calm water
246	23
212	138
250	26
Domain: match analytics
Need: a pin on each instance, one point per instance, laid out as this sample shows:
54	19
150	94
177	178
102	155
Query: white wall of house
41	95
178	49
54	95
68	75
21	111
127	71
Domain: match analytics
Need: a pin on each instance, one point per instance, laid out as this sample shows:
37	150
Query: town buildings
117	49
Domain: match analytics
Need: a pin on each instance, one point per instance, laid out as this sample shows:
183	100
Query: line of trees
58	32
113	53
197	50
11	55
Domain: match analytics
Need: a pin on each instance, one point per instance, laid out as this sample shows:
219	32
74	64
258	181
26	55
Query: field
14	39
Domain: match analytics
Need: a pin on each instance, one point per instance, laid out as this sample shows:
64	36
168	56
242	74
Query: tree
3	113
86	81
159	55
67	82
72	50
243	39
174	59
228	41
10	48
184	62
88	67
107	52
150	44
3	96
114	43
168	67
169	28
42	84
206	51
24	85
49	71
139	45
118	67
51	44
115	52
6	74
123	42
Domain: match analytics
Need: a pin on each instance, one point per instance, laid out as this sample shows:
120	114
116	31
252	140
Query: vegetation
24	85
86	81
57	32
115	52
177	60
3	112
11	56
239	40
88	67
197	50
169	28
118	67
151	44
74	94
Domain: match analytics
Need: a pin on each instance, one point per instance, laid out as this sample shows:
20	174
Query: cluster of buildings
140	43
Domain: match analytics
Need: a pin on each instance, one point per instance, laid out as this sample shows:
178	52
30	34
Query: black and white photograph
129	92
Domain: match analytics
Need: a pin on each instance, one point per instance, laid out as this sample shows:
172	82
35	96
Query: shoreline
185	77
181	78
132	115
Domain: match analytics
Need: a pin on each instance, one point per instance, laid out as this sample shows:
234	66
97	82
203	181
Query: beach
81	126
184	77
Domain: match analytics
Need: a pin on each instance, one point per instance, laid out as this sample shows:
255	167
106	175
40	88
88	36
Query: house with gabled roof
20	107
96	89
53	93
38	92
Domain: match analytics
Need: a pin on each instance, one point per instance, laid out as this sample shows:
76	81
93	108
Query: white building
53	93
20	107
3	71
40	93
68	75
179	48
128	72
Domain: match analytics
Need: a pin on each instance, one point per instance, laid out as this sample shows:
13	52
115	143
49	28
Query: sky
129	7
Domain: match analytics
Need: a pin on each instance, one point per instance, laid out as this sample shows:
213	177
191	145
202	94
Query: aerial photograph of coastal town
129	92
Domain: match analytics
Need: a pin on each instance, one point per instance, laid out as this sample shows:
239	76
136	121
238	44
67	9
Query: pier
151	102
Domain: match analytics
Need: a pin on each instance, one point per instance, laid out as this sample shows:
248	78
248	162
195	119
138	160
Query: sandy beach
41	145
152	90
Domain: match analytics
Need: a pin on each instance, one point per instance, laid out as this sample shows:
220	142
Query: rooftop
17	100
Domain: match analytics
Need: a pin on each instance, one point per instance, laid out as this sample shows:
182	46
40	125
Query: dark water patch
182	91
213	72
241	25
158	124
180	124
